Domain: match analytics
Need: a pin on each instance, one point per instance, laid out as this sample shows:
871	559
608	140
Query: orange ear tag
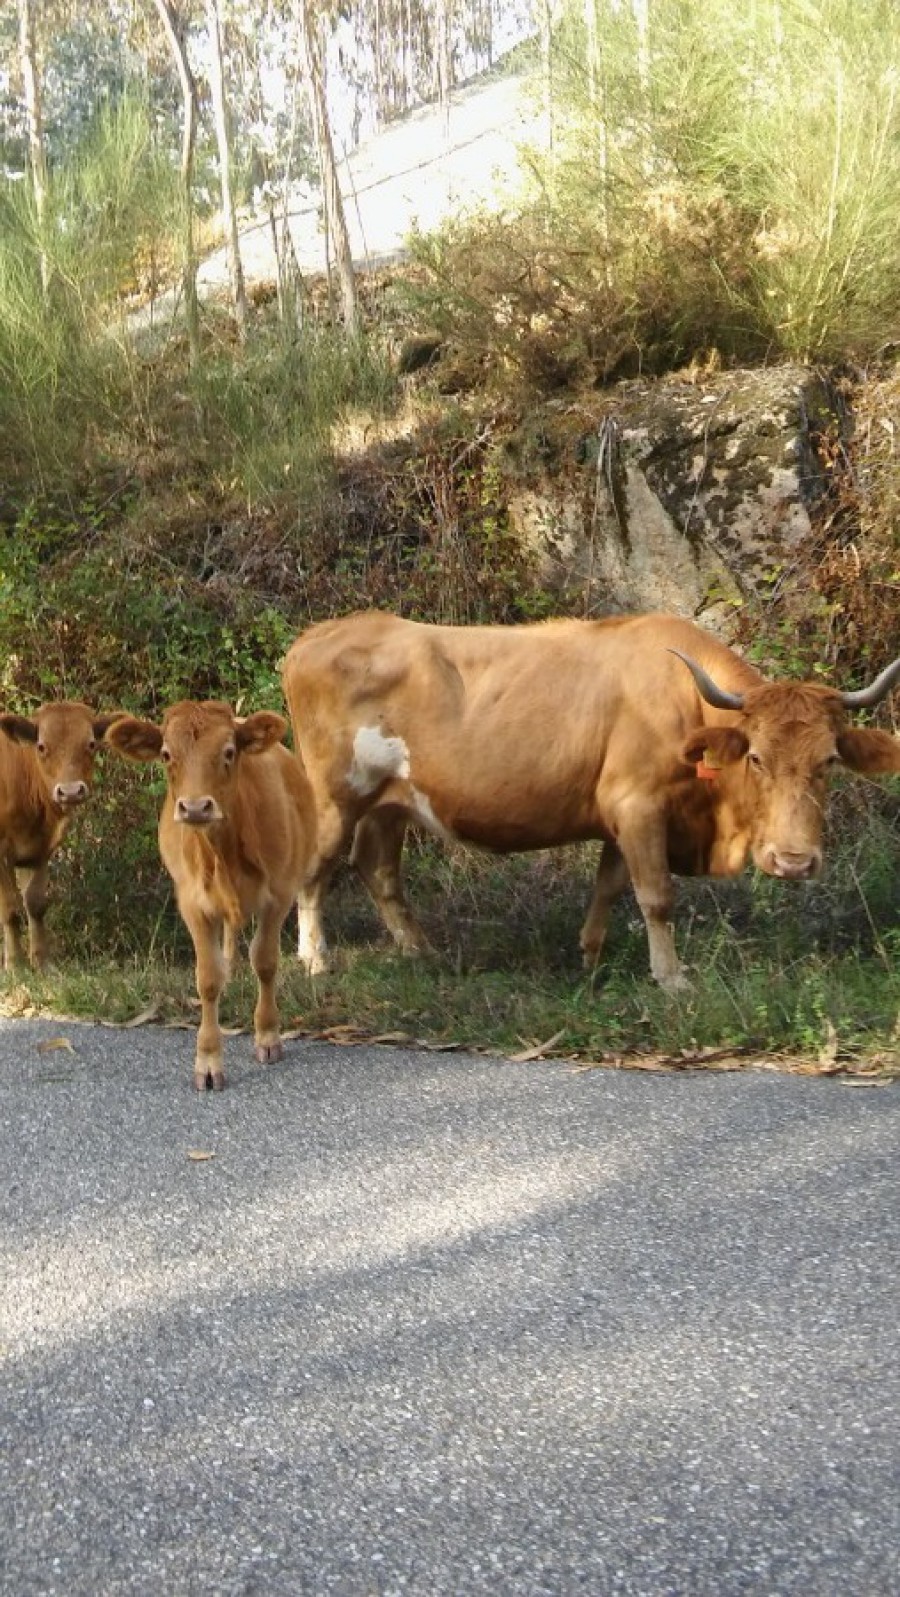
707	769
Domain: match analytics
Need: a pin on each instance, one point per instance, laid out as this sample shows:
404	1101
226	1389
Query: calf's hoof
210	1079
269	1053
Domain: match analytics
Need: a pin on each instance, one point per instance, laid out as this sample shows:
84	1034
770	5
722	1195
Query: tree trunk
443	61
545	21
336	219
173	27
223	142
37	154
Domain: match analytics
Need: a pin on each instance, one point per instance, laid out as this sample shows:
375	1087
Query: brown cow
46	768
236	831
529	736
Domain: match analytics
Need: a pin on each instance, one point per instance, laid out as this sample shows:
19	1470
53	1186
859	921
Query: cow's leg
264	951
611	881
11	911
34	897
212	973
377	851
332	835
642	840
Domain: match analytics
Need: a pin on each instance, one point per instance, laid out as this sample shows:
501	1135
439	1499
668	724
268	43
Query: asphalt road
441	1324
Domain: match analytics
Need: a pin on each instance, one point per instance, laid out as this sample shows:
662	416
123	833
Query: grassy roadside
807	973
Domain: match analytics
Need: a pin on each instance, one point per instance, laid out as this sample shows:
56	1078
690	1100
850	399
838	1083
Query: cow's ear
137	740
102	723
715	745
20	728
869	751
259	732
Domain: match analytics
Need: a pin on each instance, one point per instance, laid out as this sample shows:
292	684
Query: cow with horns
643	731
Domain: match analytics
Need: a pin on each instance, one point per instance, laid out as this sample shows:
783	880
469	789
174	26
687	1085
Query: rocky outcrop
693	493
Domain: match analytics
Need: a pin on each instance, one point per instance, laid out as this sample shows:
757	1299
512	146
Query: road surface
438	1323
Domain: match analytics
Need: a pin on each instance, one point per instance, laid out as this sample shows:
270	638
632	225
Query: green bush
727	181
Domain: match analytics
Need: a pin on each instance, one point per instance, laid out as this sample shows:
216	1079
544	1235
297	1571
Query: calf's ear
137	740
20	728
102	723
869	751
716	745
259	732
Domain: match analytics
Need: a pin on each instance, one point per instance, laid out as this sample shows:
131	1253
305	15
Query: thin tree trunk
223	141
37	154
174	33
334	204
443	61
546	49
379	74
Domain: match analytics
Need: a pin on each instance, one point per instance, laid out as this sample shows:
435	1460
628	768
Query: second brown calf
236	832
46	770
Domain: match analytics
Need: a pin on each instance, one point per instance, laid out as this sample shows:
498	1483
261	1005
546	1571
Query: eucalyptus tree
174	23
222	119
37	152
335	215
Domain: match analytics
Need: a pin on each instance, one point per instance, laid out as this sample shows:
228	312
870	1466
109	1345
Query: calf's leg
35	900
264	951
11	912
212	973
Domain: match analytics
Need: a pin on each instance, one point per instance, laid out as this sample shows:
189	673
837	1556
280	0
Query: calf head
65	737
200	746
776	757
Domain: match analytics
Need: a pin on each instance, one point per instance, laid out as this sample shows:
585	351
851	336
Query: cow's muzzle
197	811
791	867
68	795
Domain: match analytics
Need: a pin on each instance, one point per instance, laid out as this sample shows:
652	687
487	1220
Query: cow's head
785	740
200	746
65	738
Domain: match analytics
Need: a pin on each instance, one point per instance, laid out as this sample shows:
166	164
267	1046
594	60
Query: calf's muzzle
197	811
69	794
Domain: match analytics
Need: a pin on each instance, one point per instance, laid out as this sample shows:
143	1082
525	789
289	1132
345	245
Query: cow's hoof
269	1053
678	982
316	962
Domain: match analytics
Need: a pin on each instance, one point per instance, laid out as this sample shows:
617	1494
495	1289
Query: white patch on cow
312	949
424	814
376	759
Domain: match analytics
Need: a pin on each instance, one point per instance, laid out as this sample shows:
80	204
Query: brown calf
46	768
641	730
236	831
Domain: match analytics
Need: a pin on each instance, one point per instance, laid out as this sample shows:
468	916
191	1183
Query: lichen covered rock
693	494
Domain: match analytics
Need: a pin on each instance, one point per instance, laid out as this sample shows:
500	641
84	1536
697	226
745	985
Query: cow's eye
755	759
41	747
166	756
92	744
228	754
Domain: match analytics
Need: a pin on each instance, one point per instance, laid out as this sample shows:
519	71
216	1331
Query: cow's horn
867	698
714	695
